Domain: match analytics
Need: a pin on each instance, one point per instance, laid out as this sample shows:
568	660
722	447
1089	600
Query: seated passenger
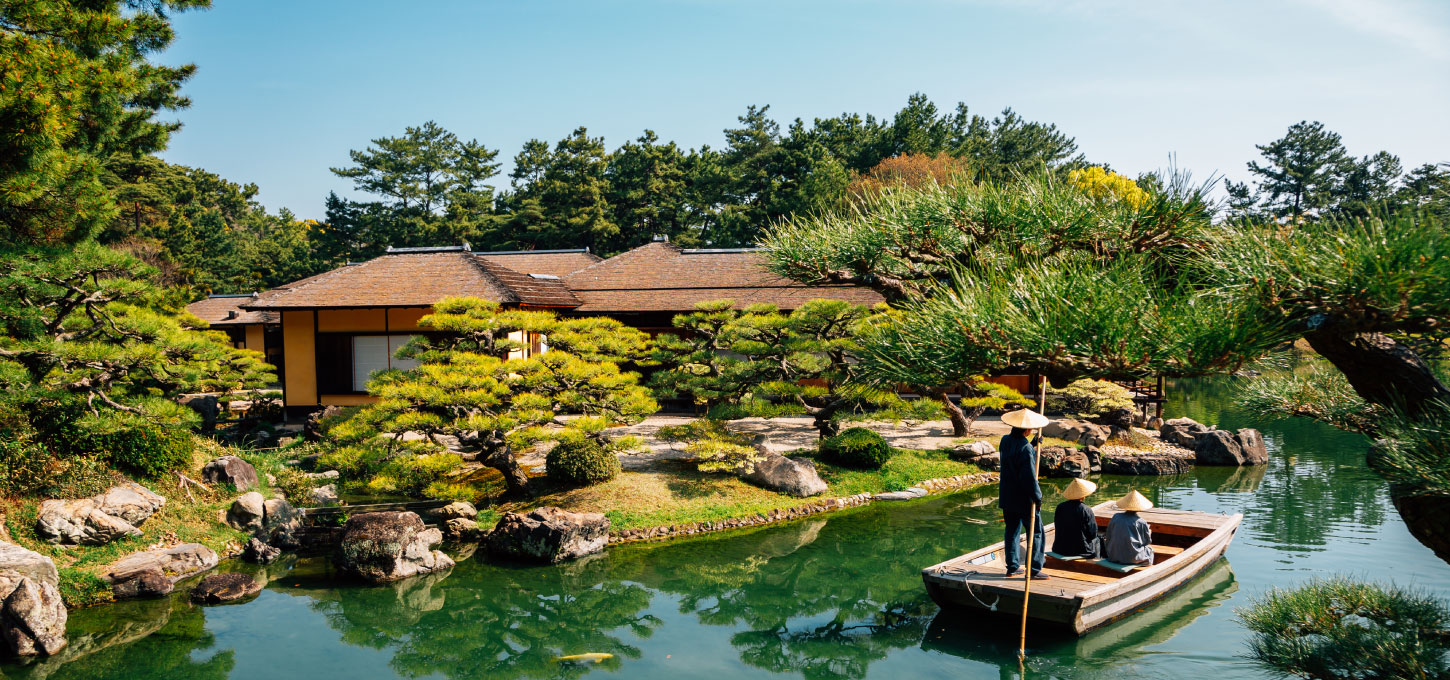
1129	540
1077	528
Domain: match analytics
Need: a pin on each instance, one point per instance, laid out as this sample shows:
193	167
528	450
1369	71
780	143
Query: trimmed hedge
856	447
581	462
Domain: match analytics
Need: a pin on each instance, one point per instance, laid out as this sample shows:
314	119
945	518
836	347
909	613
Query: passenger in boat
1076	526
1019	495
1129	540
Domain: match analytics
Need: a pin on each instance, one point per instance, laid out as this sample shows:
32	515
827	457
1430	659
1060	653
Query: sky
284	90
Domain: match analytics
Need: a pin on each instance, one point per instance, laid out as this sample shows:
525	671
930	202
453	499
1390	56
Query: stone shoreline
670	531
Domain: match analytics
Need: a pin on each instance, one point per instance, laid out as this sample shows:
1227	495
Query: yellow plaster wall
343	320
299	348
254	337
405	319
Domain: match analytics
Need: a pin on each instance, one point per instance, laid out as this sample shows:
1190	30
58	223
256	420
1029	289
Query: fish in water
592	657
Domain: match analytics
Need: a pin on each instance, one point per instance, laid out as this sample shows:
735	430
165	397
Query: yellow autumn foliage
1106	185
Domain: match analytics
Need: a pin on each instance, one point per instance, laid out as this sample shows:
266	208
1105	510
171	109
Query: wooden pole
1031	531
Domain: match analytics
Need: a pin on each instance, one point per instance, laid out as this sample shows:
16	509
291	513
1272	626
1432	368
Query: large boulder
1121	418
1064	461
1080	431
28	563
246	512
548	534
80	521
260	552
312	429
1221	447
175	563
790	476
991	462
225	587
325	496
131	502
280	523
971	451
1182	432
1146	464
230	470
146	583
456	510
32	615
387	546
462	530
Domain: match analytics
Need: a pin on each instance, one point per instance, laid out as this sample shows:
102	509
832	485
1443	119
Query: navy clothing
1075	531
1129	540
1018	490
1016	522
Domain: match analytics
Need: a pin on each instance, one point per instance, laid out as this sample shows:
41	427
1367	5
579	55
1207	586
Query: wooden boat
1082	594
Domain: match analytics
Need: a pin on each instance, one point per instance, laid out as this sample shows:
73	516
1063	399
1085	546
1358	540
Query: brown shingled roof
662	277
552	262
225	310
539	290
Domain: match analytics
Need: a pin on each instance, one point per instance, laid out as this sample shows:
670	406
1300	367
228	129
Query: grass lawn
676	493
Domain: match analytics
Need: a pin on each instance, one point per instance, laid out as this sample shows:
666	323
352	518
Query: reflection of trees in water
150	639
512	624
838	648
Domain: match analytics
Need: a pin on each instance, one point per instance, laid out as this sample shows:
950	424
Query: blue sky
285	89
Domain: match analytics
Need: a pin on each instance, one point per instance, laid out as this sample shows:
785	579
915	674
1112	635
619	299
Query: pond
836	596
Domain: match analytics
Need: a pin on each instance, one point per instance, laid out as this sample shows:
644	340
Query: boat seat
1118	566
1065	558
1166	550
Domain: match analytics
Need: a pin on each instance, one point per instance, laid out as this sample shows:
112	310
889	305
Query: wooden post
1031	531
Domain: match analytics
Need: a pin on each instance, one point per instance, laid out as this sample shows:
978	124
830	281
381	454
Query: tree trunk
1382	371
961	423
1427	517
501	458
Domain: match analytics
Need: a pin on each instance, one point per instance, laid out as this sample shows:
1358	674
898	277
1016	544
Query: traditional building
247	329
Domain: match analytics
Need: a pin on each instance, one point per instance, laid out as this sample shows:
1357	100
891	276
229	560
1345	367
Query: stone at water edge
145	583
791	476
1181	434
260	553
387	546
1252	443
230	470
246	512
463	530
28	563
225	587
280	523
1063	461
1218	447
175	563
1146	464
968	452
325	496
80	521
548	534
32	616
456	509
130	502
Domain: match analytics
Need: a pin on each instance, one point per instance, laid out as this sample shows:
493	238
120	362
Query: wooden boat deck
1080	593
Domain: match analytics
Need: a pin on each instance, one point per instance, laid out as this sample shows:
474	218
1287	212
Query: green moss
81	588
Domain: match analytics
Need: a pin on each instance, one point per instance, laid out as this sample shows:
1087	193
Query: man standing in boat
1019	495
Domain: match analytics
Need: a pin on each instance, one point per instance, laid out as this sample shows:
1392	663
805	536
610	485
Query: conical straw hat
1079	489
1026	419
1134	501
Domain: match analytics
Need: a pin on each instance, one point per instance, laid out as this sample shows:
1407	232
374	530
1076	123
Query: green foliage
1414	452
1336	629
856	447
579	461
134	444
1088	398
754	408
1315	390
713	446
81	588
560	196
78	87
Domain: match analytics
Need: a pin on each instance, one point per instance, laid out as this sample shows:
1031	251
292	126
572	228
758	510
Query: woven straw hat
1079	489
1134	501
1026	419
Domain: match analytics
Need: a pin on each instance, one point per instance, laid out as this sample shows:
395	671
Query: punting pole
1031	531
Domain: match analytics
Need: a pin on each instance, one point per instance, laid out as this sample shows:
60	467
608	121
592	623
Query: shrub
1337	628
856	447
141	447
581	461
1088	398
714	447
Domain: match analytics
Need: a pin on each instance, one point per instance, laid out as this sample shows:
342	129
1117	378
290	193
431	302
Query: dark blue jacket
1019	489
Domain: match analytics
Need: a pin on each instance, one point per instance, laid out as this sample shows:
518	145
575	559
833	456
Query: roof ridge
300	284
483	267
666	244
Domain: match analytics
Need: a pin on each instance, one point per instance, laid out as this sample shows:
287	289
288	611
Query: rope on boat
966	575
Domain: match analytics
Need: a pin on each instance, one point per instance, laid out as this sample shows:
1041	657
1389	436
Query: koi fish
592	657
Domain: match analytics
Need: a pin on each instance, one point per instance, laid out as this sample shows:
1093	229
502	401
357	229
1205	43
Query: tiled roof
662	277
553	262
225	310
407	279
537	289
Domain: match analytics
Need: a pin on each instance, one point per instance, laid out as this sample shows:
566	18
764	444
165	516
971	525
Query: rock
387	546
1189	422
28	563
1120	417
175	563
80	521
246	512
1181	434
989	462
1094	456
906	495
1080	431
312	429
549	535
280	524
462	530
271	479
1154	423
230	470
32	615
325	496
968	452
225	587
205	406
1146	464
791	476
456	510
146	583
131	502
329	474
1252	442
1063	461
260	553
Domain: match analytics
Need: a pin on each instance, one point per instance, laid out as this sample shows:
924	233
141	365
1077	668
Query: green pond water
837	596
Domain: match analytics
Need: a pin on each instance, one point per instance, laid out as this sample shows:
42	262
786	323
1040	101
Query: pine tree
1302	170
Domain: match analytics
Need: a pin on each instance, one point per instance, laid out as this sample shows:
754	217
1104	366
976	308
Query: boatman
1019	495
1129	540
1076	533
